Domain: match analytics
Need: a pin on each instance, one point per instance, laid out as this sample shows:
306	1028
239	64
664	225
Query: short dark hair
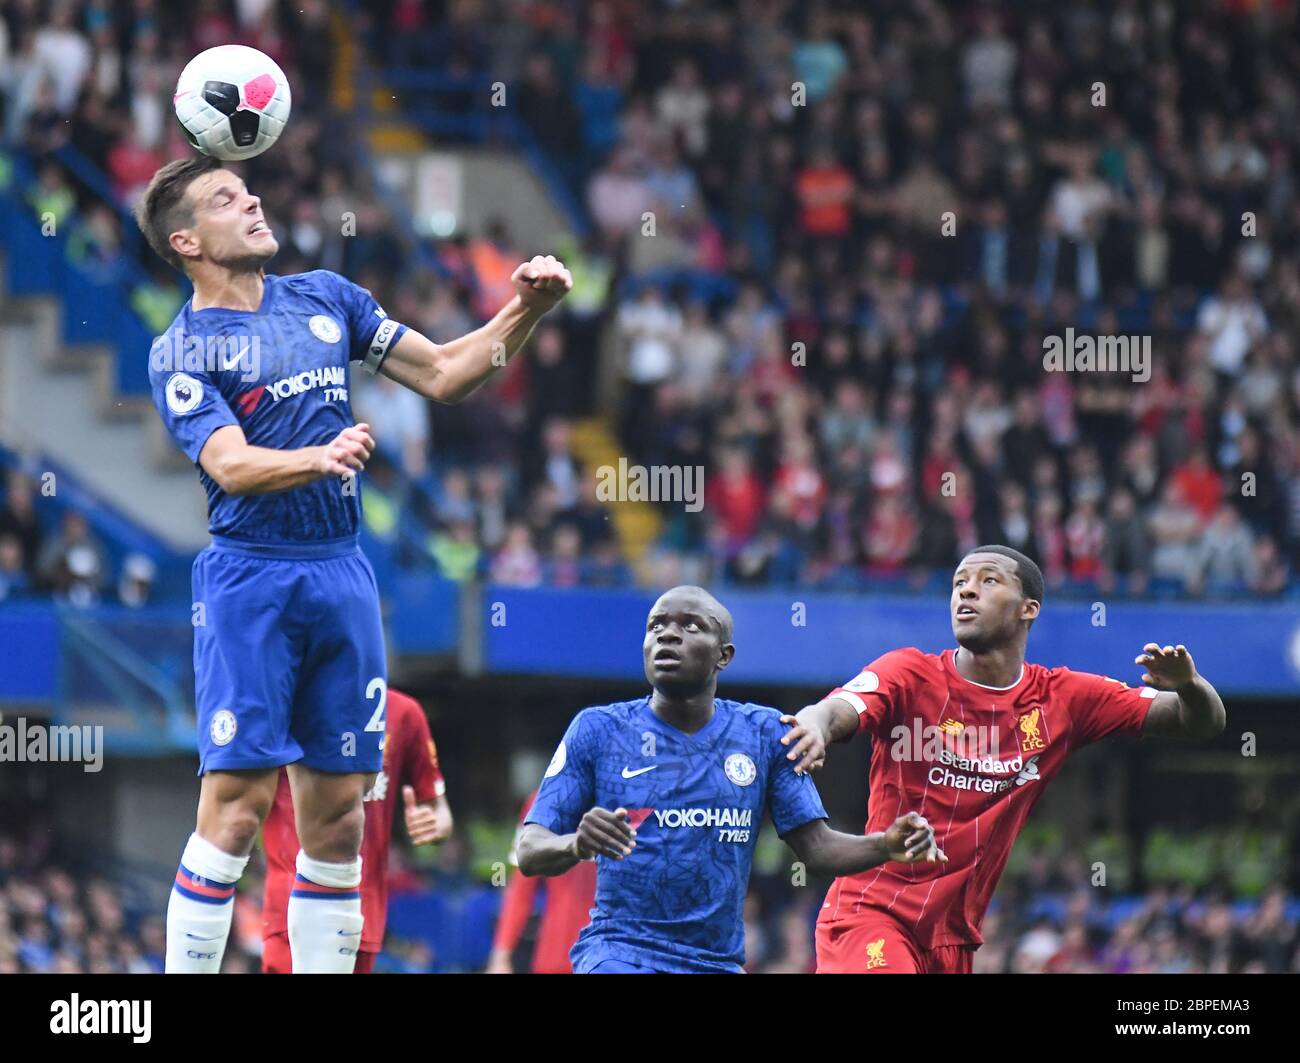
162	209
719	613
1029	574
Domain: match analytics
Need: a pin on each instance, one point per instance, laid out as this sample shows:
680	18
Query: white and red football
232	101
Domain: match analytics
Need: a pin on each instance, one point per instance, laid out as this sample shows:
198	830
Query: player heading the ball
251	381
667	794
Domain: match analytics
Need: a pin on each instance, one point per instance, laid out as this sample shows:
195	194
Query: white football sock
201	904
325	916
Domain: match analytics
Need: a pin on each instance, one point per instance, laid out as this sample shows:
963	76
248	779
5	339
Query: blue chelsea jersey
697	802
280	373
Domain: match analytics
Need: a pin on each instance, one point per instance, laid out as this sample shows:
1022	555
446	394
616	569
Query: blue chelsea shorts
289	658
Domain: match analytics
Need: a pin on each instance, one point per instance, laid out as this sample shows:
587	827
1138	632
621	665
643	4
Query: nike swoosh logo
346	934
629	774
228	362
196	937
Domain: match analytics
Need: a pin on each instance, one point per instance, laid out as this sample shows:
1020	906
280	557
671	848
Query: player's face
683	648
229	223
988	604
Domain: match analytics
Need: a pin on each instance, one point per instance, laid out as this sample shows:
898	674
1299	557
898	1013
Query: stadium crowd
58	920
866	227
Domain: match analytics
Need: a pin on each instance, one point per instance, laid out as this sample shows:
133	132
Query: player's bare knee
335	839
232	827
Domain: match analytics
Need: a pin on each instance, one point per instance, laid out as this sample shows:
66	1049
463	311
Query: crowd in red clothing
868	222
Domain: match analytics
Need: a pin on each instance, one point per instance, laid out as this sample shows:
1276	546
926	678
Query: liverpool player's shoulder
400	706
912	662
1063	676
1066	681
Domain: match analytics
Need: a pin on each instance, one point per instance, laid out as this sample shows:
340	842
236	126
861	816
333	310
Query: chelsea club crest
740	769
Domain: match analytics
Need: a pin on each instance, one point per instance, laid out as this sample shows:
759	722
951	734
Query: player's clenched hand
1168	668
605	833
807	745
910	839
541	282
423	823
348	451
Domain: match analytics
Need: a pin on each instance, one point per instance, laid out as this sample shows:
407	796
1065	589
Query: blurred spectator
1173	526
14	579
73	562
1125	555
1233	321
139	573
399	419
517	563
1225	556
18	517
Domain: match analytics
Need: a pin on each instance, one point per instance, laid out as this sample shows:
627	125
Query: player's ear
185	242
1029	609
725	655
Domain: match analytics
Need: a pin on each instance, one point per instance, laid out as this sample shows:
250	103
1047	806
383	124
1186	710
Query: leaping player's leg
232	805
325	903
244	670
338	721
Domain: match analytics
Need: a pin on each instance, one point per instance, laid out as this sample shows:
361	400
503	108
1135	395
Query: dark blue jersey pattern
697	803
280	373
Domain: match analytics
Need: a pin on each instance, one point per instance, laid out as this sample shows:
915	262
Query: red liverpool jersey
410	759
973	760
569	900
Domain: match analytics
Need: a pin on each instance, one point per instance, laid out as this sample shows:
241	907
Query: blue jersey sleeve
792	799
191	406
568	788
371	332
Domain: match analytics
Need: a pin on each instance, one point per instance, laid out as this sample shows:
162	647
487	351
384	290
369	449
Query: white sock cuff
339	876
203	858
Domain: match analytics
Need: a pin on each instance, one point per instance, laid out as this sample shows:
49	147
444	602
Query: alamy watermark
178	352
1098	354
25	742
656	483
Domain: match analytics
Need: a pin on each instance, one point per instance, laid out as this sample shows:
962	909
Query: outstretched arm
814	728
909	840
451	372
1188	707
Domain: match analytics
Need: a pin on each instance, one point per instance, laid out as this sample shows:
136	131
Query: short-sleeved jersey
696	801
410	759
973	760
280	373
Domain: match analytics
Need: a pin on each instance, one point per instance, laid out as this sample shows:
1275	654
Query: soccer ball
232	101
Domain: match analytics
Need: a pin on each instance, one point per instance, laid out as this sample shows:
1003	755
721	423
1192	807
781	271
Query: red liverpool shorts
874	942
276	958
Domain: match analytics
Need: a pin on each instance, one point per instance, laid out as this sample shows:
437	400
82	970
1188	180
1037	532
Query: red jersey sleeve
879	691
1101	706
420	759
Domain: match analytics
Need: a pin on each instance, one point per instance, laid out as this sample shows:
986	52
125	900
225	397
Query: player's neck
228	290
688	714
1000	667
